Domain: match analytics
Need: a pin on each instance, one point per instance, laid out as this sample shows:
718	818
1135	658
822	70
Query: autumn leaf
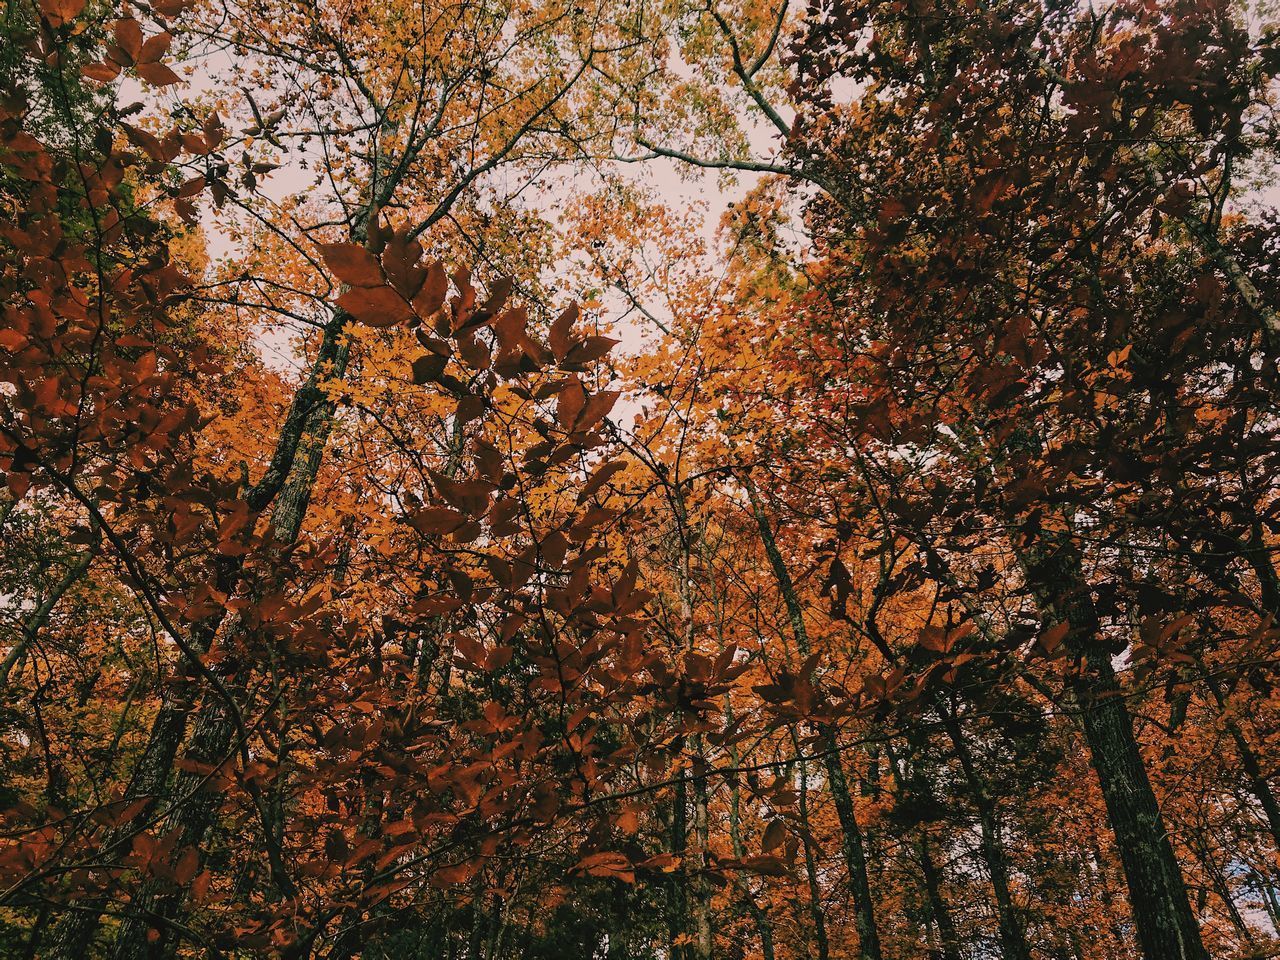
561	327
352	264
376	306
611	865
588	351
128	34
102	72
59	12
156	74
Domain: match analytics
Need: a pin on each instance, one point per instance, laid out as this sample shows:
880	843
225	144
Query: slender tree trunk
1013	942
36	620
1222	889
1270	900
677	901
703	939
309	418
810	860
930	873
74	934
476	936
1254	774
764	927
852	845
932	877
680	916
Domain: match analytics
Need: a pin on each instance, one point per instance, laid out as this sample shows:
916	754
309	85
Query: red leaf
146	141
11	340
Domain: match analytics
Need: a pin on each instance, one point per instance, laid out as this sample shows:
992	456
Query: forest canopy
639	479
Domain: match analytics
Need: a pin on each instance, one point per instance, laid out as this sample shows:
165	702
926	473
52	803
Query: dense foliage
425	534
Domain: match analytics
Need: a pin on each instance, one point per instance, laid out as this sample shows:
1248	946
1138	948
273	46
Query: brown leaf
774	835
156	74
436	520
155	47
376	306
427	368
607	864
560	331
145	141
588	351
766	866
599	478
352	264
1051	639
597	408
102	72
59	12
128	34
569	403
435	288
628	822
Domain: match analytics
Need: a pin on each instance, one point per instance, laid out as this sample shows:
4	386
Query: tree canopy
521	479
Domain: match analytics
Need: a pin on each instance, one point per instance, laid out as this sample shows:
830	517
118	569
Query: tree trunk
677	901
810	861
764	926
212	739
916	785
937	906
1165	923
1013	942
1257	780
852	846
703	939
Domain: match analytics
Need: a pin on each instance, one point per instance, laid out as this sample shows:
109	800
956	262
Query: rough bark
1163	919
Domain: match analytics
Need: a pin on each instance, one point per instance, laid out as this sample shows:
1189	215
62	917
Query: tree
888	571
